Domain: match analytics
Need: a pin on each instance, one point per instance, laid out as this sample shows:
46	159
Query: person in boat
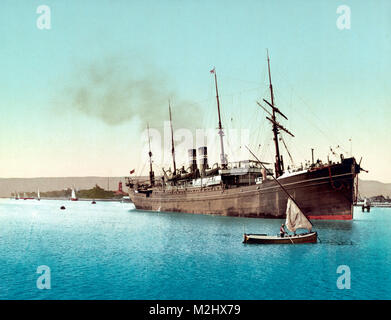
282	231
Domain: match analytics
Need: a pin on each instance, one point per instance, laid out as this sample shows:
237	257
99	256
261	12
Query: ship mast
221	133
151	173
278	165
172	139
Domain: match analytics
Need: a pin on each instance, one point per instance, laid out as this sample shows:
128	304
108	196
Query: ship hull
323	193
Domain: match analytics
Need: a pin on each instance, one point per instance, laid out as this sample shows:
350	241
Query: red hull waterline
332	217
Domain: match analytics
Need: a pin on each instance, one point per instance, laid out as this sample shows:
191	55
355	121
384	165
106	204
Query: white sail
73	194
295	219
39	195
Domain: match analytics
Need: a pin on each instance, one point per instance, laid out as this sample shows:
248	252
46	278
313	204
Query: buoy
62	208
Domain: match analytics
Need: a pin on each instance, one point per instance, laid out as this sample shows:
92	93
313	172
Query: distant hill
371	188
367	188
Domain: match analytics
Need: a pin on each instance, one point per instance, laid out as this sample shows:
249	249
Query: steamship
248	188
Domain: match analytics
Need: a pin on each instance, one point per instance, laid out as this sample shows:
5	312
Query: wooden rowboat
310	237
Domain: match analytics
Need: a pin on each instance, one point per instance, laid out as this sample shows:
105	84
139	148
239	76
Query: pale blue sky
332	84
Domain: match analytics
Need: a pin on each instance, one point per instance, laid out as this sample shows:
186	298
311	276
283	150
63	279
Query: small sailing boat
25	197
38	196
295	219
73	196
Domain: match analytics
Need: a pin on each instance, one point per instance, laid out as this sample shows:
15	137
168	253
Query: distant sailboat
73	196
38	196
25	197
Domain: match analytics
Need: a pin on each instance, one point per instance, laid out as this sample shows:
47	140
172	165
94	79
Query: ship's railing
245	164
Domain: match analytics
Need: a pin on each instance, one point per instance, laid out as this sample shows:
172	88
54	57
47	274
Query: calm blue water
109	251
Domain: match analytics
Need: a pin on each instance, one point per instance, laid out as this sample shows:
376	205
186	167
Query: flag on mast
213	70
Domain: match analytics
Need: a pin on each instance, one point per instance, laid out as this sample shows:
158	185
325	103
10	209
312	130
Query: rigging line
298	151
278	182
265	144
315	125
141	173
259	132
266	152
239	92
250	126
264	132
287	150
309	109
282	97
139	164
195	103
262	127
238	79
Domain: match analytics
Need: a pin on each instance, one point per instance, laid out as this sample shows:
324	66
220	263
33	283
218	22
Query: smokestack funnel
203	161
193	159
